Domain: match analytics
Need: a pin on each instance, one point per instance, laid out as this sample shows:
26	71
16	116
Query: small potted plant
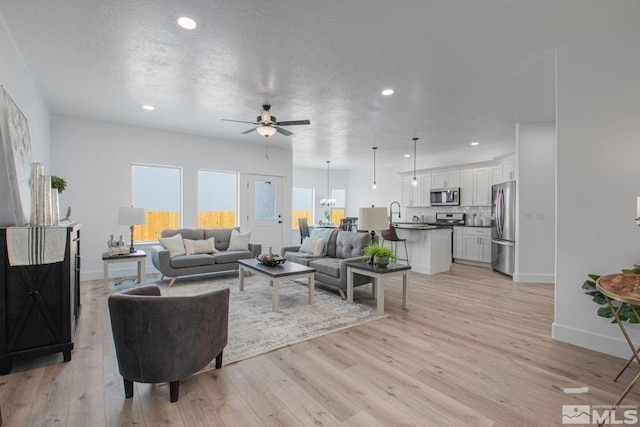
380	255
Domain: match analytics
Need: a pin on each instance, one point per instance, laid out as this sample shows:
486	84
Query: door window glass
265	200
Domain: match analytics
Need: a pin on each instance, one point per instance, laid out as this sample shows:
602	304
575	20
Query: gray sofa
331	269
183	265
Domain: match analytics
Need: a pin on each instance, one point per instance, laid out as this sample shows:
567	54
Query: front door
264	211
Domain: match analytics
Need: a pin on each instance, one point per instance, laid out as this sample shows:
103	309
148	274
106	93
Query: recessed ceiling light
475	143
387	92
407	155
149	107
186	23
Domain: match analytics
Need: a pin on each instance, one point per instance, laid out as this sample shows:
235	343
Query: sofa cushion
313	246
326	265
200	246
226	257
174	244
324	233
299	257
182	261
350	244
186	233
222	236
239	241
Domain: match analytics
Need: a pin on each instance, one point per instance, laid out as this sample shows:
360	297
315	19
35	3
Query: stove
451	219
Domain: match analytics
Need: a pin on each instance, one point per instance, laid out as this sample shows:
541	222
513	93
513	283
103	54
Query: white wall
598	179
536	194
94	157
16	80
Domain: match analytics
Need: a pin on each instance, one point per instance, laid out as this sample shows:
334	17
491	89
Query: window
158	190
337	211
302	206
217	199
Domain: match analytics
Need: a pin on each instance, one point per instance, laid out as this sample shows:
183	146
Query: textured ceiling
462	70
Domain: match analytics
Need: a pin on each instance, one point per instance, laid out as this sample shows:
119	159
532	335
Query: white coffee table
277	275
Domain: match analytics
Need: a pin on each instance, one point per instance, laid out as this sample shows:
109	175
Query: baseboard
429	269
615	346
534	278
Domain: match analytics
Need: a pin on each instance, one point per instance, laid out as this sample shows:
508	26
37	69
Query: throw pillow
174	244
239	241
312	245
200	246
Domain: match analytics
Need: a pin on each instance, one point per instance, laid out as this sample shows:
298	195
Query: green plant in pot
58	183
380	255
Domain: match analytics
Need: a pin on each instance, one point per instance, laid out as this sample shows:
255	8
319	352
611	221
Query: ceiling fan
269	125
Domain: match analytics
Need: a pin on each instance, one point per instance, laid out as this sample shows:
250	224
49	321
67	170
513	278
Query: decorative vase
382	262
37	170
55	207
112	243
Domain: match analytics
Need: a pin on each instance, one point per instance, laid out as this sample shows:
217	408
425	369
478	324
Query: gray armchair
167	338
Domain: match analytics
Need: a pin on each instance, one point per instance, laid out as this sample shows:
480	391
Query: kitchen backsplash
430	212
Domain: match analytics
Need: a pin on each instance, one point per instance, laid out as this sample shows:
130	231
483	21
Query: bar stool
391	236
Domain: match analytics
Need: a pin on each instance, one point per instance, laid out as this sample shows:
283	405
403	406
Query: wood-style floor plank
474	349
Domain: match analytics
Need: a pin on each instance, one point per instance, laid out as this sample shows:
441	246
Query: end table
137	256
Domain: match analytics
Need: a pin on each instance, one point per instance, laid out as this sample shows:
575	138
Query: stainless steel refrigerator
503	227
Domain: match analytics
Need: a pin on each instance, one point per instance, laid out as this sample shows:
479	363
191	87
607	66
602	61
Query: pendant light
328	201
374	185
414	183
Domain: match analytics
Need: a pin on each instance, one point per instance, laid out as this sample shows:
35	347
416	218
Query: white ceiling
462	70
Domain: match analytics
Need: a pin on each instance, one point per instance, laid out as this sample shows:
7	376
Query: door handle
502	243
279	222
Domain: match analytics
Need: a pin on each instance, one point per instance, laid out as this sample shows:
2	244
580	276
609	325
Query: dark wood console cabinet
39	304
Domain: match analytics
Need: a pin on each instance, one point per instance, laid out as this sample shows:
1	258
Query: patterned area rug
255	329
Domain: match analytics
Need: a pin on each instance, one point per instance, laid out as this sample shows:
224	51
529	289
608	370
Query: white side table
137	256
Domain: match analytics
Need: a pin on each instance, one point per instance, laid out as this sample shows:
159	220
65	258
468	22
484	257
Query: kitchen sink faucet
391	211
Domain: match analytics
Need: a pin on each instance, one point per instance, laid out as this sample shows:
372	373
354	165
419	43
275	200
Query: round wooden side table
626	289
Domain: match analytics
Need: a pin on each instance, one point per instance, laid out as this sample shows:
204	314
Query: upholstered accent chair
167	338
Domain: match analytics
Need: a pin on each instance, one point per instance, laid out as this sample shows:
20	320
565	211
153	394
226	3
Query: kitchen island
429	246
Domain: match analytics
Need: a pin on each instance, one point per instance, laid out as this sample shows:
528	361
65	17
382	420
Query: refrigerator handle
502	242
499	211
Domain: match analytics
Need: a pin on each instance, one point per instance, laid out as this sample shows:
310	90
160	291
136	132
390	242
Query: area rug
255	329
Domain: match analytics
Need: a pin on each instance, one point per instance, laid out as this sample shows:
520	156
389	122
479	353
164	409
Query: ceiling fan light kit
268	125
266	131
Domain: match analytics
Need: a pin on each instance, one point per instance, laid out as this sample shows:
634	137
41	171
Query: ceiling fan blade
239	121
293	123
248	131
283	131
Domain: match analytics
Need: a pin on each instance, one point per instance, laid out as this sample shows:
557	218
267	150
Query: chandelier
328	201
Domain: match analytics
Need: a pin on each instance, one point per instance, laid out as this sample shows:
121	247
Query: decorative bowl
271	261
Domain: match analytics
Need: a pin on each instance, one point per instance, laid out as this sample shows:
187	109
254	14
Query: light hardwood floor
474	349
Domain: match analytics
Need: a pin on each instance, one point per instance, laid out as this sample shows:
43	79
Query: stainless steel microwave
445	197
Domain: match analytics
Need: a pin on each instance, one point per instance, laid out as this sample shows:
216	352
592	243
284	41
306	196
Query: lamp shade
372	219
131	216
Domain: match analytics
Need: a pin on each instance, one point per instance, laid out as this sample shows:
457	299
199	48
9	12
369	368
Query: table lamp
373	219
131	216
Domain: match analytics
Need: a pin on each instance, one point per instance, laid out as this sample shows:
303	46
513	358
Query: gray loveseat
331	269
183	265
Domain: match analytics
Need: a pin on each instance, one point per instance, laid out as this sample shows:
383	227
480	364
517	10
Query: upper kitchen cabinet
508	168
475	188
419	195
426	190
447	179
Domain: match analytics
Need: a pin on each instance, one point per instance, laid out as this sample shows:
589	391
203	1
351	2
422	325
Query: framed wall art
17	152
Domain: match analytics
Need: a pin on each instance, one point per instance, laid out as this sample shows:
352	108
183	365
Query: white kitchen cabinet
495	175
475	188
476	244
481	187
409	192
446	179
457	242
466	187
425	190
418	195
508	168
